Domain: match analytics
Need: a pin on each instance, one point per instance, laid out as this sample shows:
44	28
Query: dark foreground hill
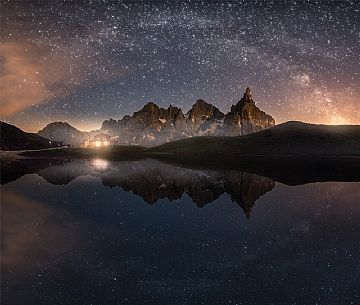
13	138
288	139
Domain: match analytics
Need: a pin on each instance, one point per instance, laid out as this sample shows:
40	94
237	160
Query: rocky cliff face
204	119
245	117
153	125
64	132
149	126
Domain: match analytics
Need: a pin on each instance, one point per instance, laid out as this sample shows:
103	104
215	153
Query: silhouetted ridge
13	138
287	139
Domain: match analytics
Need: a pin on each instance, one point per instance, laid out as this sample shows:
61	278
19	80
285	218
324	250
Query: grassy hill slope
13	138
291	138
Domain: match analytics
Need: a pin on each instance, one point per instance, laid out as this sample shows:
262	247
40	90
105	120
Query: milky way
84	62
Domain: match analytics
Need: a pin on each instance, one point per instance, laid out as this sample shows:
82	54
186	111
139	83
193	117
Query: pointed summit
202	110
244	117
247	95
150	107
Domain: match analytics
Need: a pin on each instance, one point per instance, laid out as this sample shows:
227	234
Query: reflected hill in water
153	180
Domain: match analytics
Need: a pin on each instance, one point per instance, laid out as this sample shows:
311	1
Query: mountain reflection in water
153	180
105	232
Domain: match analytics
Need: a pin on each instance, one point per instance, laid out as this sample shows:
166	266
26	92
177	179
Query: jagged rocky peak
150	107
151	110
155	117
245	117
144	125
109	124
202	110
174	113
247	95
154	125
245	101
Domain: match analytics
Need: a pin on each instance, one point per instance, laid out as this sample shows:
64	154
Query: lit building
99	140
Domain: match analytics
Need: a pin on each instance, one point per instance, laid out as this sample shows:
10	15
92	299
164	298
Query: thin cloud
21	82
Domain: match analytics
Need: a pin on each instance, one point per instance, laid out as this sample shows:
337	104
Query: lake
147	232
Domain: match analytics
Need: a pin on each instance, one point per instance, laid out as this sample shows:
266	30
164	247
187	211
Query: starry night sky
86	61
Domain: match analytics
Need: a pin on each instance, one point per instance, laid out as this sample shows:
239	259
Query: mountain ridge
153	125
64	132
202	119
13	138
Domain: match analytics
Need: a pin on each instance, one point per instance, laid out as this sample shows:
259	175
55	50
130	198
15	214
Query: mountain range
204	131
153	125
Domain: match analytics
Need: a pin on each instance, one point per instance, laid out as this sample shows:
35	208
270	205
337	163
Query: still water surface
146	232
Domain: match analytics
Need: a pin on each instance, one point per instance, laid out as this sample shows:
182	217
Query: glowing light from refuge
100	164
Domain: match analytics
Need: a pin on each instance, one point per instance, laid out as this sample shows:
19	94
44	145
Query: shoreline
287	169
139	151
